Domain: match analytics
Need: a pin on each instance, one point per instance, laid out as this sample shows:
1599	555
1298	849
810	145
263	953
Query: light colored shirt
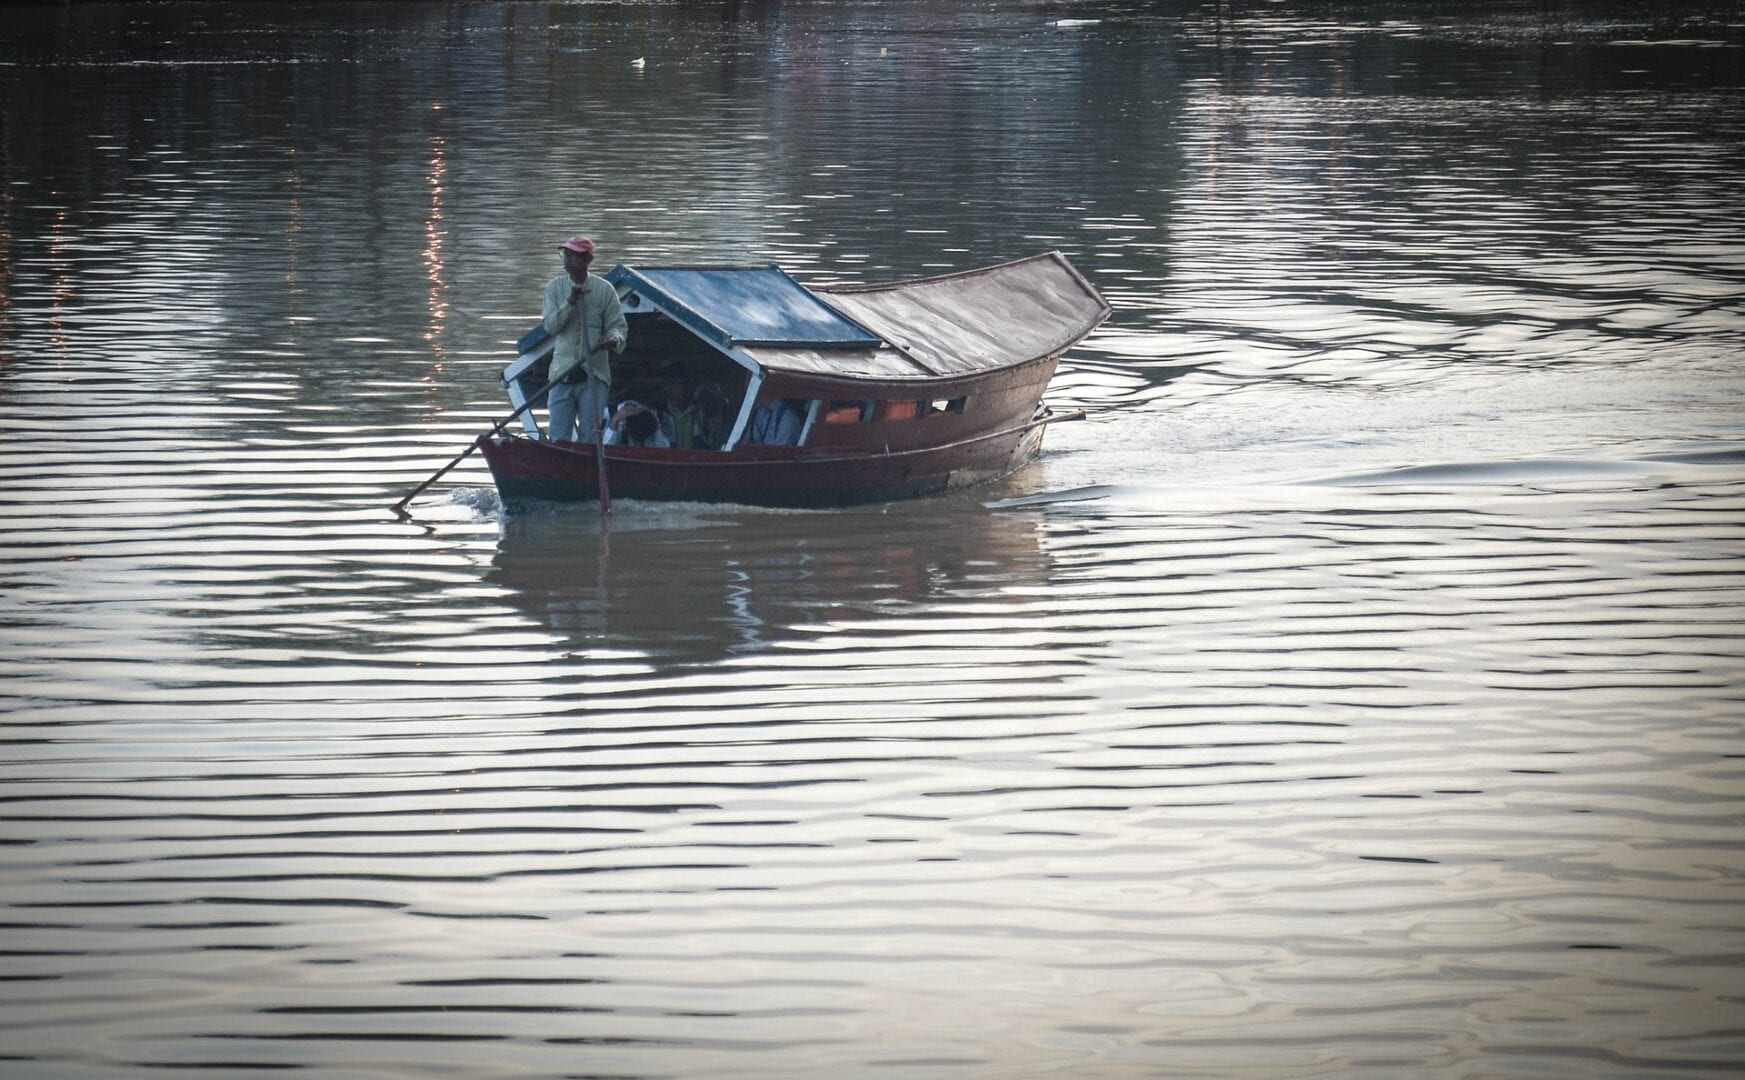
775	423
580	328
616	433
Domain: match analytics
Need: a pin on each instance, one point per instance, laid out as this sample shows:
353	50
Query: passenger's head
710	401
641	426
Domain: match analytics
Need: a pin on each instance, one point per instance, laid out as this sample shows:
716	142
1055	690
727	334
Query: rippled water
1356	693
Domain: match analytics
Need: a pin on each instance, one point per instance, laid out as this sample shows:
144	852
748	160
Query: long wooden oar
532	400
605	490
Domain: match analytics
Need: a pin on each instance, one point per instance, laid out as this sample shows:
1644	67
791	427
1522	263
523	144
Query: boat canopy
926	330
741	306
957	324
963	323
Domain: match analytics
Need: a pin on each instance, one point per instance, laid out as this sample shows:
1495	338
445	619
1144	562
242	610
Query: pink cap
579	243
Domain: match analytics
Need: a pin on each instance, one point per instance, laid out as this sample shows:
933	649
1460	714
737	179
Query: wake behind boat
828	397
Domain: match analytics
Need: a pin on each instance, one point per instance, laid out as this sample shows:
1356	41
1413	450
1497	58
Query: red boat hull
786	476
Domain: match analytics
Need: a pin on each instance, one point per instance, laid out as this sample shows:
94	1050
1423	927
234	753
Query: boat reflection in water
691	585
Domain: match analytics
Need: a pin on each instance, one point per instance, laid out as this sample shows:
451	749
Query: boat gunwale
759	454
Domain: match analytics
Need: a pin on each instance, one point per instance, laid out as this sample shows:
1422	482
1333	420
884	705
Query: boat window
847	412
945	405
899	410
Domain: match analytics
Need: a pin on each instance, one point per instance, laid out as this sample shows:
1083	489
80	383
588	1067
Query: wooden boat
899	390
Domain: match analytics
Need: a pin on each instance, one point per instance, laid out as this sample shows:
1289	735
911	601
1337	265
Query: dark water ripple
1377	767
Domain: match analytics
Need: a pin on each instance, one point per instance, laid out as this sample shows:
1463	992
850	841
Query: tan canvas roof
953	325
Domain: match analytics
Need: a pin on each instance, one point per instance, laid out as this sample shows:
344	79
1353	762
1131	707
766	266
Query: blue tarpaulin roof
744	306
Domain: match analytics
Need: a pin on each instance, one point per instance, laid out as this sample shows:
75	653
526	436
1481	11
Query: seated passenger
678	416
634	424
710	423
776	423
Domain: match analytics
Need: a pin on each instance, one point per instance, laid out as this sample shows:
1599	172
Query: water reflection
694	585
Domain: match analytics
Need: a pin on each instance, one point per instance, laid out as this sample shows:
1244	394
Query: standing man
582	313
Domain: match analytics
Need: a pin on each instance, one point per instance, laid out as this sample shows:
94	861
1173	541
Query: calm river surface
1357	692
